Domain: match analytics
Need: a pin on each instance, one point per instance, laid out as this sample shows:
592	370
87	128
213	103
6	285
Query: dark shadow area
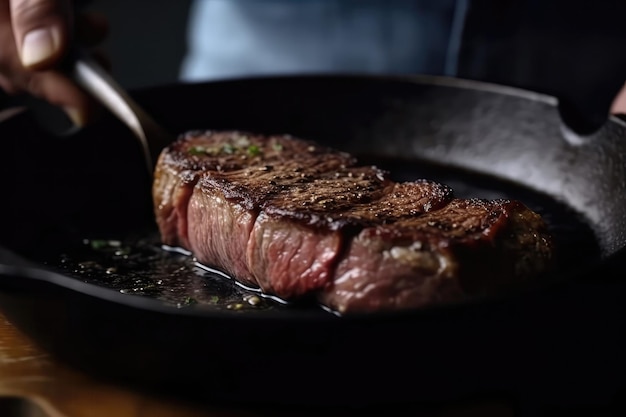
147	41
20	407
569	49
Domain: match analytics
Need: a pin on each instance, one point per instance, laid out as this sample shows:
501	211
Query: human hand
619	104
35	35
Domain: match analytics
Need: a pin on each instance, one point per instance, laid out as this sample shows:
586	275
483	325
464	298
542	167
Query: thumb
41	30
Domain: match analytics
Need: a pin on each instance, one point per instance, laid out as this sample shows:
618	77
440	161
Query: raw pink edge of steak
290	259
257	249
435	260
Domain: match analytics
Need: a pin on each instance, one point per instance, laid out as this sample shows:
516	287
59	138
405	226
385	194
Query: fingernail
76	116
39	45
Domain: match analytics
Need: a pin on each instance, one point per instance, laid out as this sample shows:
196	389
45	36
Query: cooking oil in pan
139	265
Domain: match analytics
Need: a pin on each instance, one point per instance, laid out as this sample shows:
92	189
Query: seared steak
296	219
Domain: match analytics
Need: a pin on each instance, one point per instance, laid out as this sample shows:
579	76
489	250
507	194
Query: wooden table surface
34	384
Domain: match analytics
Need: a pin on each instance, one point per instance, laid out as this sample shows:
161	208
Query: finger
59	90
7	86
91	29
619	104
41	30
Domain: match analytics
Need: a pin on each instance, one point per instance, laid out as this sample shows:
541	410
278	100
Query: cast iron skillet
562	341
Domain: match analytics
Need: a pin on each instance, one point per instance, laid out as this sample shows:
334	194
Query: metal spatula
96	81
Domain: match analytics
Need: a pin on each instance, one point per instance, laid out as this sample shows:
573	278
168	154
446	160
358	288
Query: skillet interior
93	183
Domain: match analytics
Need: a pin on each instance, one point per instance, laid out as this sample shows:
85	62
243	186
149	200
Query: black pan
561	342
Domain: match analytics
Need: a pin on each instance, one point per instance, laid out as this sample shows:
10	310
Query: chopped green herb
254	150
188	301
149	287
277	147
214	299
98	244
228	148
101	243
197	150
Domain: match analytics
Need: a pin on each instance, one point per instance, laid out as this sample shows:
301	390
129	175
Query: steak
298	220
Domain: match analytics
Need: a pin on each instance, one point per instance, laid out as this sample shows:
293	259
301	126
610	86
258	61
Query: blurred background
147	39
568	48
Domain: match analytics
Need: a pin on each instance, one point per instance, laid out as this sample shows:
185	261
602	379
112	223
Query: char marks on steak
297	219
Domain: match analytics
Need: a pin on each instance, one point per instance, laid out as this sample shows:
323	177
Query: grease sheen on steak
297	219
